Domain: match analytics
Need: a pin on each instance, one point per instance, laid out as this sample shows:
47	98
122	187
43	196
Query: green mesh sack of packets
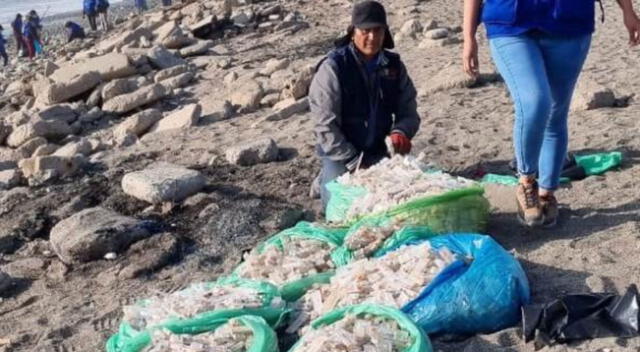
198	309
294	259
245	333
405	190
362	328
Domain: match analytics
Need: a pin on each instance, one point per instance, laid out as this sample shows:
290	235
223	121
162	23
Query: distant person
102	7
3	50
166	2
141	5
75	31
36	26
16	25
89	11
29	38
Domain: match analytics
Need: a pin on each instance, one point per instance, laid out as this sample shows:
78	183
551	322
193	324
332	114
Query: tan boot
529	209
550	209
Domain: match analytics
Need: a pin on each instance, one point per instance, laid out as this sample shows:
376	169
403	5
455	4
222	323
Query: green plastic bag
292	291
129	340
597	164
342	197
421	342
343	255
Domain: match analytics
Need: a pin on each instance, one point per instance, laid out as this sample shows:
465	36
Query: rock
63	112
94	232
287	108
49	68
411	28
184	118
92	115
123	39
6	283
40	169
162	58
10	179
204	27
49	129
137	124
437	33
178	81
46	149
247	95
28	268
150	255
127	102
201	47
435	43
274	65
248	154
171	36
170	72
299	86
270	99
449	77
240	19
17	118
71	149
119	87
590	94
5	131
429	25
7	165
163	183
27	148
230	77
50	92
109	66
95	98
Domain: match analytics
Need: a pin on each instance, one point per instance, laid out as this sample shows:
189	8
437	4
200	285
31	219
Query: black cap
368	14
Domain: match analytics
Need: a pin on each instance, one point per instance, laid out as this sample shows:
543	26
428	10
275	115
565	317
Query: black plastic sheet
582	316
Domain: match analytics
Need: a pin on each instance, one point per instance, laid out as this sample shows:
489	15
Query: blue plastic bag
481	293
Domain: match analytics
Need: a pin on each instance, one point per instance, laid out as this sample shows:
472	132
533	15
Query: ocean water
45	8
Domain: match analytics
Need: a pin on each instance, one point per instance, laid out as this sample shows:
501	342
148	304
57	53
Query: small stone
110	256
163	183
248	154
438	33
274	65
183	118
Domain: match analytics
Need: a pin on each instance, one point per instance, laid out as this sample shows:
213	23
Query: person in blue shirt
3	50
539	47
75	31
36	29
16	25
166	2
29	36
141	5
102	7
89	11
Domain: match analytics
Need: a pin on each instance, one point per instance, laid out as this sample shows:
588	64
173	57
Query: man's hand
401	144
470	57
632	23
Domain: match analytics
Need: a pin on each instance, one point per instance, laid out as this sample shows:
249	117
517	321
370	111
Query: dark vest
364	131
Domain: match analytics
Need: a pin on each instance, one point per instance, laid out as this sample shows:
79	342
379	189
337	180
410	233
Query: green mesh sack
128	338
343	255
420	343
264	339
340	201
292	291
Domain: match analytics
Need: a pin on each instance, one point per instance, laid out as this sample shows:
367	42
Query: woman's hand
632	23
470	57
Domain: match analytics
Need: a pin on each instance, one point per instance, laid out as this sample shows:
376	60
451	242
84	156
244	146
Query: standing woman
16	25
89	10
29	37
539	48
102	6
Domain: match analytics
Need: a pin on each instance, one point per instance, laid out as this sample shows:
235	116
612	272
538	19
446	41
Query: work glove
401	144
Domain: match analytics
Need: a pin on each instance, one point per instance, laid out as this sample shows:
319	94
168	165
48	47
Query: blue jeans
541	72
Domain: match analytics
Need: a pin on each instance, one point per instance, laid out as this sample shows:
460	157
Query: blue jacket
77	32
17	25
355	107
556	17
89	7
28	30
2	42
102	5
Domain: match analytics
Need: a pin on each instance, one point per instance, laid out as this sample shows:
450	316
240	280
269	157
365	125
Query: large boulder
162	58
94	232
143	96
163	183
50	129
246	95
72	84
183	118
123	39
137	124
248	154
109	66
